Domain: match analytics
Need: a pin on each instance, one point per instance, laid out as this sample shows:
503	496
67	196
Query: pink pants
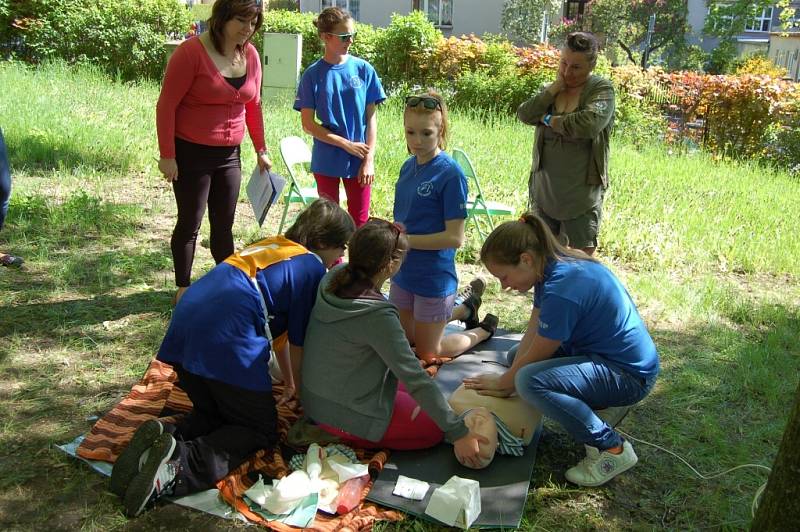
357	196
406	432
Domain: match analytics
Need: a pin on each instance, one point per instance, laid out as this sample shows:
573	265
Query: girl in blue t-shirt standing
336	98
586	347
430	200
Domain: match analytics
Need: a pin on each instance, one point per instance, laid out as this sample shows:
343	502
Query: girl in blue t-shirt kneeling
430	200
586	347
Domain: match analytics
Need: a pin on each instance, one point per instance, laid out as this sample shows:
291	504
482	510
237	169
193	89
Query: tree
780	506
625	23
522	19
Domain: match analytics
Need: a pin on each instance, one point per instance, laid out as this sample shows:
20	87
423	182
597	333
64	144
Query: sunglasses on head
428	102
344	37
396	228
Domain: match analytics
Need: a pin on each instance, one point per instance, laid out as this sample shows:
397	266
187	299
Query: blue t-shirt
340	95
217	328
425	197
583	304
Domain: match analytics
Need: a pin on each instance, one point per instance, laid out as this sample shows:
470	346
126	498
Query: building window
761	22
440	12
573	9
350	5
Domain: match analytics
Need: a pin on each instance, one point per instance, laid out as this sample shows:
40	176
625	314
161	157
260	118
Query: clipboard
263	190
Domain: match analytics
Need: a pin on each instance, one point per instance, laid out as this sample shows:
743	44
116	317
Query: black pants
226	426
206	175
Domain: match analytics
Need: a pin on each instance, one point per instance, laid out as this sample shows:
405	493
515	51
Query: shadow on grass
46	319
722	399
46	150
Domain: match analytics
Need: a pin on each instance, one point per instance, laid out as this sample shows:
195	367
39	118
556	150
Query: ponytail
372	247
528	234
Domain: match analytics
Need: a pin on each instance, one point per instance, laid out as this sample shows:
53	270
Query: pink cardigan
197	104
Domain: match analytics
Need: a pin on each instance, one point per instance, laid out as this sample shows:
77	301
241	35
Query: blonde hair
530	235
420	109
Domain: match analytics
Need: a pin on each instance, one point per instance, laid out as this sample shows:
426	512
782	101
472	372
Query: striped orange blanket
156	396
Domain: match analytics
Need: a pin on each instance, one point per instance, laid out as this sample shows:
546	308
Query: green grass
705	248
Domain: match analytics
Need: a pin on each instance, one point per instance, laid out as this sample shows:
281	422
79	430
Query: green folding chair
296	156
478	206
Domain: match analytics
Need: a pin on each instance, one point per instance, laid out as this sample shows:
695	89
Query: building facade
452	18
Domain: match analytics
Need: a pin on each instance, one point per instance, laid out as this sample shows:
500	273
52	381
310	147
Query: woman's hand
366	173
468	451
287	395
264	162
168	167
489	384
359	149
558	85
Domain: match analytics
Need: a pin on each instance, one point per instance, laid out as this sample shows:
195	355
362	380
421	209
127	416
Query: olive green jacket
592	119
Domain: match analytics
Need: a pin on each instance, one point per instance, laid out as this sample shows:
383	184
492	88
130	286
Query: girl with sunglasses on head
211	90
361	380
430	200
337	98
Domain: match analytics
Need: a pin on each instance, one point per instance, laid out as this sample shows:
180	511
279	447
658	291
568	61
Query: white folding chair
296	156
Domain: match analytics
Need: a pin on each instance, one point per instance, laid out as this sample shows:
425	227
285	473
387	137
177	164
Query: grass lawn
706	249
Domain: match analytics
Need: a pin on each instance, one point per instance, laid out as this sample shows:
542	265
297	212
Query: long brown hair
322	225
531	235
372	247
225	10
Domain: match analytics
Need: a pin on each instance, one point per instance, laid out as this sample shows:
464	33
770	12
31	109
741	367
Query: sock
615	450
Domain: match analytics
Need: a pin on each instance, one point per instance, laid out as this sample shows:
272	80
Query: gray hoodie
355	351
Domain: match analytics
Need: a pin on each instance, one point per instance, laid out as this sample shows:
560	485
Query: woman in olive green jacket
573	118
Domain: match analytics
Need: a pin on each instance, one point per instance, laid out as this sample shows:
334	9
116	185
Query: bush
403	48
125	37
782	147
760	65
638	117
453	56
483	90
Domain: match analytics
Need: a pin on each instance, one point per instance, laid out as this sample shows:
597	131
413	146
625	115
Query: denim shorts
424	309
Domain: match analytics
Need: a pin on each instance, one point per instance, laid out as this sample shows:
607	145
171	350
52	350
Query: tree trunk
780	506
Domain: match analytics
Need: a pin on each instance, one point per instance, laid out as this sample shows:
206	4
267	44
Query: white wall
469	16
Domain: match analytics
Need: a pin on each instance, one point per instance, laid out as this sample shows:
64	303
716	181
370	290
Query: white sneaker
600	467
156	477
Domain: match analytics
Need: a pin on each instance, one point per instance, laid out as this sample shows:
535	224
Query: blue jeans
568	389
5	180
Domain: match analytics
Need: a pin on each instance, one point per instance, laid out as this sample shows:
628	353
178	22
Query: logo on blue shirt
424	189
356	82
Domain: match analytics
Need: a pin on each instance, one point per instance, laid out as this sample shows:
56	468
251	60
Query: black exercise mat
504	484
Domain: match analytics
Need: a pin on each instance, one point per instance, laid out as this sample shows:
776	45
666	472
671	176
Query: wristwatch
546	119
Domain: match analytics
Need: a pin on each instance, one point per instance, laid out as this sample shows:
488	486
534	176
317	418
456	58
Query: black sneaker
489	324
128	463
156	477
473	297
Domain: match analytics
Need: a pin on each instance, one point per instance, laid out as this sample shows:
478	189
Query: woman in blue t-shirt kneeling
585	349
220	341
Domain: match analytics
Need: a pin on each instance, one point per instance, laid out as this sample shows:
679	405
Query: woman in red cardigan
211	90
